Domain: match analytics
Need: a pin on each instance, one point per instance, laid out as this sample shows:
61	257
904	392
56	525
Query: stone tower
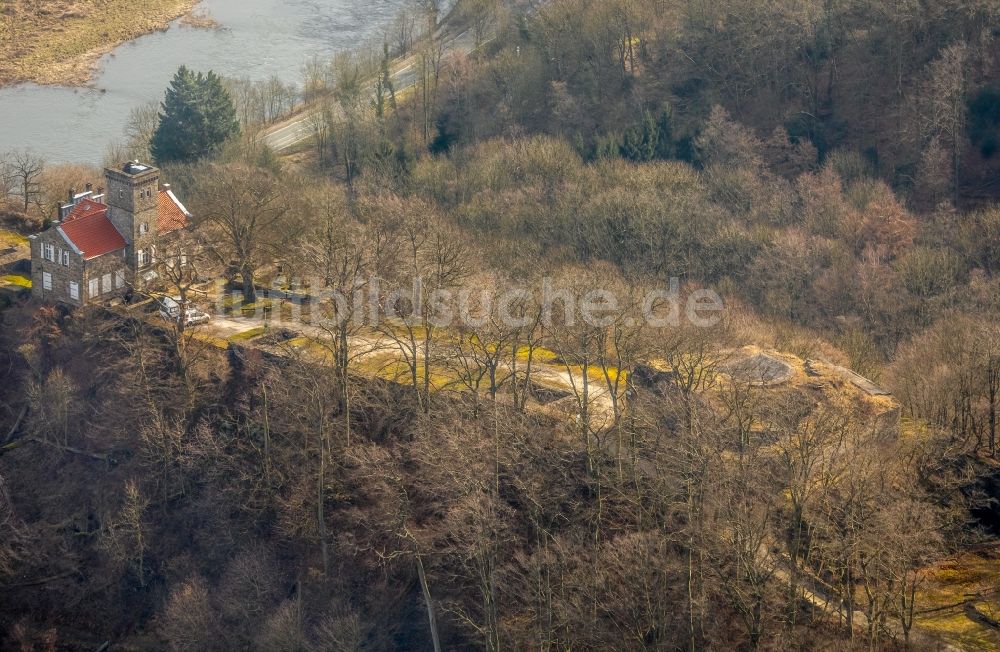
131	199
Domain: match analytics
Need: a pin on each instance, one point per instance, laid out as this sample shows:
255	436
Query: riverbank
60	41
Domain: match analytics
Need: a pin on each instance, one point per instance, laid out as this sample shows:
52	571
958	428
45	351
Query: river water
257	39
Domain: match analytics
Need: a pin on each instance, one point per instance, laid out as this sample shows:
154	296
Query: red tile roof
170	213
88	228
86	208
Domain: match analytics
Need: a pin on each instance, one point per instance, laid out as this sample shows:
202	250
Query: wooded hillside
826	168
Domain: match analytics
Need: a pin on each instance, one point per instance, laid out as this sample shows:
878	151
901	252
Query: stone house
106	243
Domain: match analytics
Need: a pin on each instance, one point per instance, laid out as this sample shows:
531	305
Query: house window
46	280
74	291
65	258
121	194
49	253
94	288
143	228
106	283
120	279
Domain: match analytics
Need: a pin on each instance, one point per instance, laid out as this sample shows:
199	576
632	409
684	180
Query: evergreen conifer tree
197	117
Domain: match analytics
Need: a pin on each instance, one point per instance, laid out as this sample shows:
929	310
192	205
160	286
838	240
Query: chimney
90	187
72	195
166	186
100	195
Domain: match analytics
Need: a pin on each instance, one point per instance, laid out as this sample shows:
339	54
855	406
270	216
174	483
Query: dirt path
371	344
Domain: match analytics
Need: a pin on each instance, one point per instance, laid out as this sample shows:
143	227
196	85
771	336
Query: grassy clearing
211	340
915	429
310	348
232	304
596	375
248	335
539	355
16	279
11	239
388	366
969	577
60	41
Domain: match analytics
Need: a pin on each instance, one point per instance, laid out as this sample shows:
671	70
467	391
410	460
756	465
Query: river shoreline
37	64
258	40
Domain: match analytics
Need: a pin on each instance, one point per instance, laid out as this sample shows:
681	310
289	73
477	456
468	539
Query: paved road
284	136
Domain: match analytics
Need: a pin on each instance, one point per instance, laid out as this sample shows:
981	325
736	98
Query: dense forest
828	167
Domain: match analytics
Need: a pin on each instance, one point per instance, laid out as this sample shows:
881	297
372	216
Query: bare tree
125	535
318	402
183	263
139	129
429	61
430	265
346	255
577	336
321	122
484	339
402	31
496	338
476	519
942	104
247	216
351	122
8	180
625	344
482	15
26	168
808	440
745	513
56	180
316	79
13	537
55	408
188	621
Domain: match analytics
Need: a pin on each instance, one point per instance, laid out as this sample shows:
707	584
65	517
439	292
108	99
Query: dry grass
60	41
200	20
212	340
11	239
15	279
969	577
248	335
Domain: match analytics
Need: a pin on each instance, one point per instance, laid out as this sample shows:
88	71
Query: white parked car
170	309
